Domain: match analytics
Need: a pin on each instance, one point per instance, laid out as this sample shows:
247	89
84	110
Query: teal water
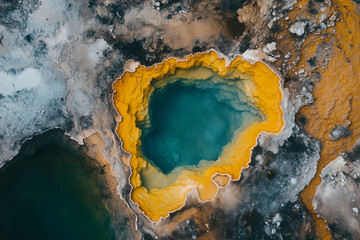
189	124
50	193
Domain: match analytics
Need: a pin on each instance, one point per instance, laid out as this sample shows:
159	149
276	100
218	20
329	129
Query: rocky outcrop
337	198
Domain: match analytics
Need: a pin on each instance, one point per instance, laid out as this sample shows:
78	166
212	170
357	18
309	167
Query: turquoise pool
190	123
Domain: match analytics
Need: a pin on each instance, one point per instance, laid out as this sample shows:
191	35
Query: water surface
188	124
49	192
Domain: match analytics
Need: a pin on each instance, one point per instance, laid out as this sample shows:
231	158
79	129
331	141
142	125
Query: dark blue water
51	193
188	124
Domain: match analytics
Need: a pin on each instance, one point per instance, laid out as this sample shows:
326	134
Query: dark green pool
50	193
190	124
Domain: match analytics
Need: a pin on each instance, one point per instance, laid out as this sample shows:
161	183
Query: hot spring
186	121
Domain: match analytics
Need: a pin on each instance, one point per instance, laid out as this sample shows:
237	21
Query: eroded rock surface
59	60
337	198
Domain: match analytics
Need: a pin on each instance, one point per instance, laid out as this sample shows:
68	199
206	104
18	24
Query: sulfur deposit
157	193
333	117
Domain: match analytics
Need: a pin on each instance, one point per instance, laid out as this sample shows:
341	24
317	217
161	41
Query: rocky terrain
59	59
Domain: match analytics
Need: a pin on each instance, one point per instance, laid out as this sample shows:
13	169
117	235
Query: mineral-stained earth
179	119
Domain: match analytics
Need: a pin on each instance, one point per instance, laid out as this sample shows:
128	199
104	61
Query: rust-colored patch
337	96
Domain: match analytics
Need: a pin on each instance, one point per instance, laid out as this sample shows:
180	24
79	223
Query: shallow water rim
265	91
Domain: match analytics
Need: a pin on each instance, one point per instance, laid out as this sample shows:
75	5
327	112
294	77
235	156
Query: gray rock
298	28
337	198
338	132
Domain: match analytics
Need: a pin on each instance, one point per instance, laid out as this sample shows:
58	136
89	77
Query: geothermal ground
175	119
